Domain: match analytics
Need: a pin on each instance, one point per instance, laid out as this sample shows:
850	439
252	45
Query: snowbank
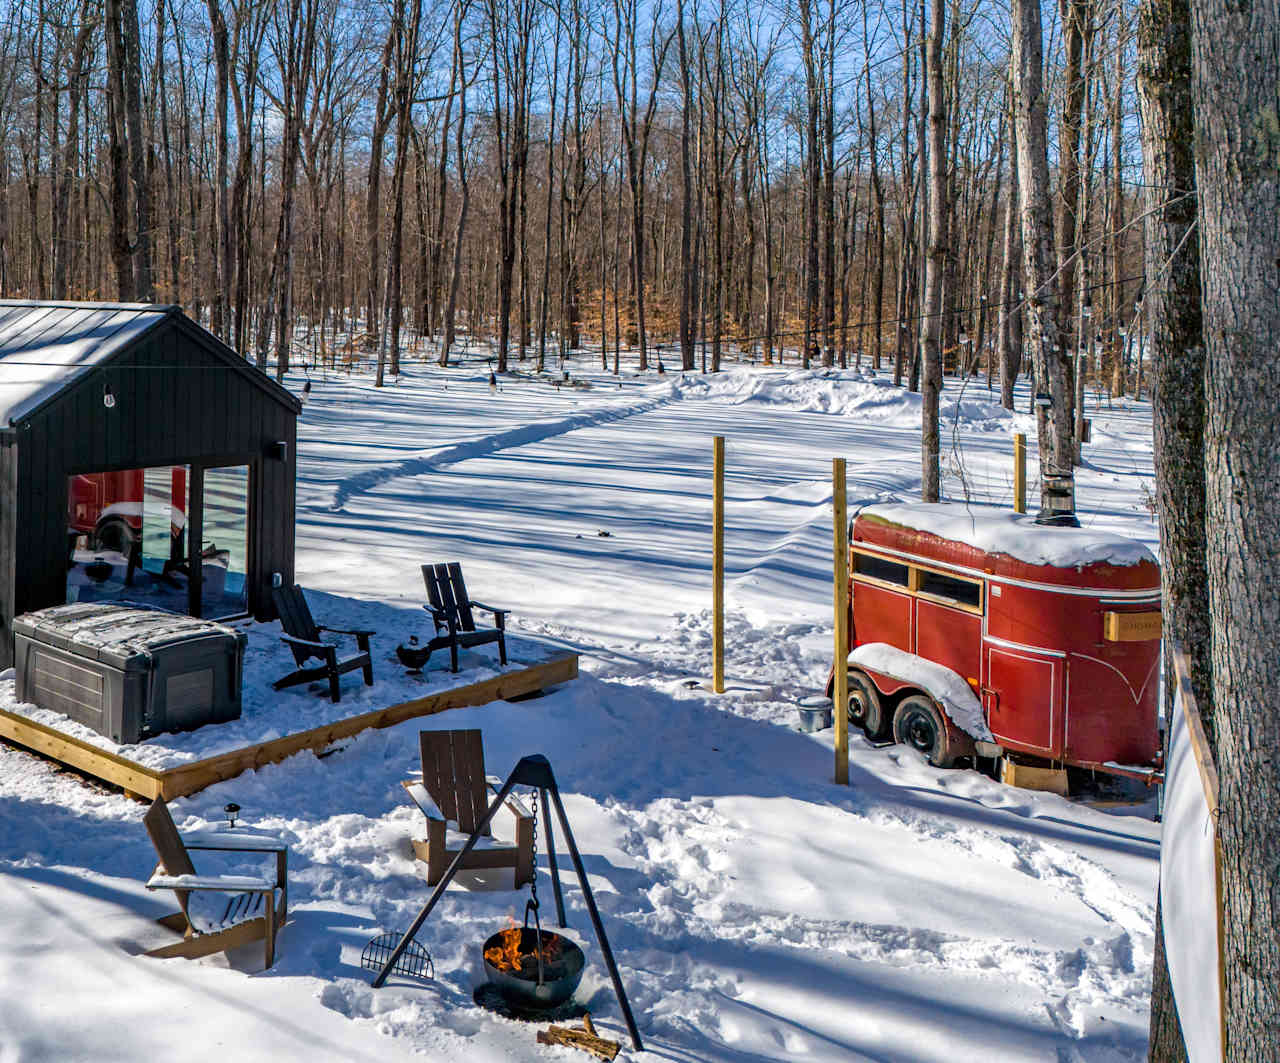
944	685
846	392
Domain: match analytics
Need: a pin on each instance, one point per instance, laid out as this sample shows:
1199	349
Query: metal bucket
526	992
815	713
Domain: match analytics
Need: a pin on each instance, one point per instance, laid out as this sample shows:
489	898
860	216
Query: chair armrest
513	802
225	883
344	631
318	647
419	796
441	617
489	608
234	842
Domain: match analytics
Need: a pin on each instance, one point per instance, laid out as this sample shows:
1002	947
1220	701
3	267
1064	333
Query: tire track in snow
520	436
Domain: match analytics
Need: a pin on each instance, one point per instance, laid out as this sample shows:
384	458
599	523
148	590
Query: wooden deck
148	783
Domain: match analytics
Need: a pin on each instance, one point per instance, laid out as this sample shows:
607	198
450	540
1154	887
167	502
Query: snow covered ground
757	910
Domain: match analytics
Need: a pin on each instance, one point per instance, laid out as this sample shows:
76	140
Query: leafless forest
831	181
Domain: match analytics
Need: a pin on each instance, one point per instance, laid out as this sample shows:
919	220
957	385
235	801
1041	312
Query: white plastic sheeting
1189	895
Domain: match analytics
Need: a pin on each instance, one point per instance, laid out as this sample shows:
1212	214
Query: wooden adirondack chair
207	923
454	794
303	637
450	608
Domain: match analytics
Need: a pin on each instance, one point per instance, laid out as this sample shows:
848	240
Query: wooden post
1019	472
840	583
717	569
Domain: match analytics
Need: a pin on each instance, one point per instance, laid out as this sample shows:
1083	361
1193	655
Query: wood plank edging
81	755
191	778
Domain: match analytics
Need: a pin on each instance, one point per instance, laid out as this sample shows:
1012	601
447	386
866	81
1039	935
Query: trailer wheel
866	709
918	724
115	535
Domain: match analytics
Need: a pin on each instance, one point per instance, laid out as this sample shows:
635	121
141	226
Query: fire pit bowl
516	975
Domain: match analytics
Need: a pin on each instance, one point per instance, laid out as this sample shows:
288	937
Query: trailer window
880	569
962	591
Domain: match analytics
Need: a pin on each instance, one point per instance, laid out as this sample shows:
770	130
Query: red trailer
106	507
973	630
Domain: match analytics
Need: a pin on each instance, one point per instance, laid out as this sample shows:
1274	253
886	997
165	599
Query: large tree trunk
1054	423
935	264
1235	72
117	154
139	152
373	205
63	245
1009	324
222	228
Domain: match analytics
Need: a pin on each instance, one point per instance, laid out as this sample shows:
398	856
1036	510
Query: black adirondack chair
450	609
303	637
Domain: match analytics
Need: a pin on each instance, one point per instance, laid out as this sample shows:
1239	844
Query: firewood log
581	1039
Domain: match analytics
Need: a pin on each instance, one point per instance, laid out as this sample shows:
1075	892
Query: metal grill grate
414	962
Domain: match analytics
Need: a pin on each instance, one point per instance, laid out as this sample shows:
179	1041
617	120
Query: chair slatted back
168	844
448	593
295	616
453	774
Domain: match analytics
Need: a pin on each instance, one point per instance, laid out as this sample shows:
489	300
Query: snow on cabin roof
44	347
1001	531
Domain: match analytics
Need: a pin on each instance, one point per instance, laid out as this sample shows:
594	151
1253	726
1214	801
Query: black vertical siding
178	401
8	532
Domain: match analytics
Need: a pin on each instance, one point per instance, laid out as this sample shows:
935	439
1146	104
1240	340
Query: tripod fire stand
532	771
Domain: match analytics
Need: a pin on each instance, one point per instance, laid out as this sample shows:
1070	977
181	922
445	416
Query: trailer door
1023	697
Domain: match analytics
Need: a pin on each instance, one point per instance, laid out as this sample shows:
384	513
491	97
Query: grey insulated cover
115	634
127	672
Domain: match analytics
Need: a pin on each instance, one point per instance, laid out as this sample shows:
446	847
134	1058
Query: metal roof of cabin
46	346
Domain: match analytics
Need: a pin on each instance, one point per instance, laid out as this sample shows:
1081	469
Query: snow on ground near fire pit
757	910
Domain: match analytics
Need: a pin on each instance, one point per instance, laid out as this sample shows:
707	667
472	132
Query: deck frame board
149	783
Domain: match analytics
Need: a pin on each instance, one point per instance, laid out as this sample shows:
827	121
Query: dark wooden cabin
141	459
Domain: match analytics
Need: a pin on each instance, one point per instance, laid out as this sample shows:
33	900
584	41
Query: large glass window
224	549
126	536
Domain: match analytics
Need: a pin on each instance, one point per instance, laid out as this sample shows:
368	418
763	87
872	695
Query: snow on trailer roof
44	347
1001	531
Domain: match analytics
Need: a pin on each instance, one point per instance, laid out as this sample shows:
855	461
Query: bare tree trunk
688	280
1235	64
1053	424
931	322
117	154
139	152
464	188
813	176
377	139
295	44
1009	325
1117	218
63	246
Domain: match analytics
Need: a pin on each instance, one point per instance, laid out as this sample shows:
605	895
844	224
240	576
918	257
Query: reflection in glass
126	537
225	549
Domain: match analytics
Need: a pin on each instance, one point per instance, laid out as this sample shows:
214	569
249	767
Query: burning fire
508	956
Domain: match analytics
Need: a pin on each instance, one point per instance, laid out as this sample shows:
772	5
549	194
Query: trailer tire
918	723
866	707
114	535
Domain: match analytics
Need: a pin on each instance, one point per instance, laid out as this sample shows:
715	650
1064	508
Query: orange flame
508	956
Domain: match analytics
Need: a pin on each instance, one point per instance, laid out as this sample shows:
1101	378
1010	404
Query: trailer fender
953	695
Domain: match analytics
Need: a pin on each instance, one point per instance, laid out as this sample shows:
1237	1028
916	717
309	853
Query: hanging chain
533	882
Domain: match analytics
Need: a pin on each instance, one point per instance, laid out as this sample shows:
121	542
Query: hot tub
126	672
